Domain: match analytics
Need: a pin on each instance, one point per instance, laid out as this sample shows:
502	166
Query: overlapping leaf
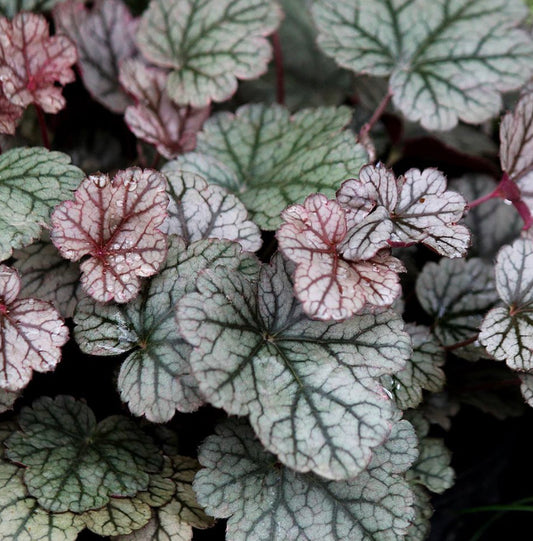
199	210
117	223
74	463
445	61
507	331
264	500
279	159
155	379
7	399
9	114
34	66
104	37
9	8
457	294
32	181
420	207
154	117
31	334
526	387
420	527
306	385
209	45
315	236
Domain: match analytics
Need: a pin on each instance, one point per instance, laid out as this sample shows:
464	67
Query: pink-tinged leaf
31	334
104	36
9	115
32	63
420	207
329	285
155	118
116	222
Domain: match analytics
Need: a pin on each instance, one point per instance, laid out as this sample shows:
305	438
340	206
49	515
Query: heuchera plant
265	280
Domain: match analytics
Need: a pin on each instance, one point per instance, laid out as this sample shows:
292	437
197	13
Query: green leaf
75	464
457	294
208	44
446	61
155	379
266	501
306	385
7	399
422	372
32	182
507	331
10	8
279	159
432	468
420	528
21	517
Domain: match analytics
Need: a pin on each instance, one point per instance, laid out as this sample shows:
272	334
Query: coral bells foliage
116	223
33	67
31	334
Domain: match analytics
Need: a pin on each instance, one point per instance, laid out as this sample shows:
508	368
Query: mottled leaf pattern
117	223
446	61
32	181
47	276
507	331
209	44
73	463
104	37
457	294
280	159
198	210
154	117
264	500
329	285
34	66
31	334
306	385
420	207
420	527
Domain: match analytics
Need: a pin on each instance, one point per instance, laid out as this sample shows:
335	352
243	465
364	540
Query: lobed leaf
198	210
445	61
279	159
31	334
457	294
306	385
329	285
34	66
154	117
117	223
432	467
507	331
420	207
208	44
104	36
264	500
32	181
73	463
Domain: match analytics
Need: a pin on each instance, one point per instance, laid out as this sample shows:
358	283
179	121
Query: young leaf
31	334
264	500
199	210
7	399
104	37
47	276
117	223
445	61
420	207
22	518
32	181
507	331
34	66
208	45
306	385
329	285
422	372
155	379
74	463
154	117
457	294
279	159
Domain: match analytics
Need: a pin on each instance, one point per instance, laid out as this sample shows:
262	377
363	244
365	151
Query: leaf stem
364	131
461	344
42	126
278	62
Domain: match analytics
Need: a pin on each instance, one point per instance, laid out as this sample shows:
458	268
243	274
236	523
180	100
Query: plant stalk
278	63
